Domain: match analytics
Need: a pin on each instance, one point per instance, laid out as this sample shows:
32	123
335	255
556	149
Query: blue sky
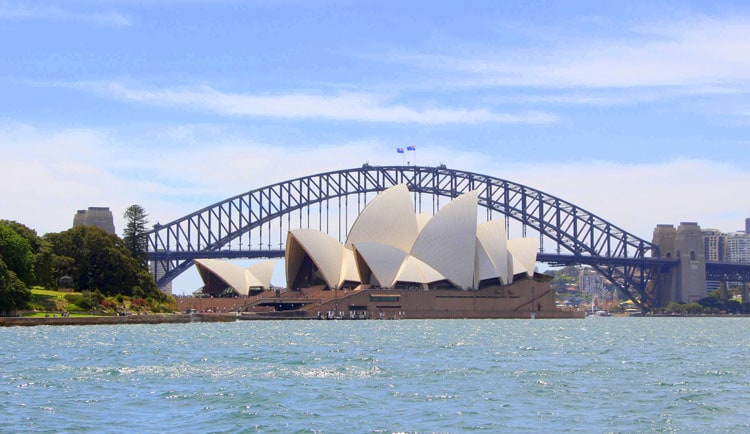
636	111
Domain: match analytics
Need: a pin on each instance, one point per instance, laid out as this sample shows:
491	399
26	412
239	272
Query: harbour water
588	375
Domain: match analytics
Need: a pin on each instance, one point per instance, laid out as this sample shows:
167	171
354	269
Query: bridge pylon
685	283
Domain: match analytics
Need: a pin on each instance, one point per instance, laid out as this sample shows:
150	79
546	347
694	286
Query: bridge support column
158	269
665	282
685	283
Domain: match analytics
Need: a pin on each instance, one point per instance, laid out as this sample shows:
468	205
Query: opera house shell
395	263
391	246
225	279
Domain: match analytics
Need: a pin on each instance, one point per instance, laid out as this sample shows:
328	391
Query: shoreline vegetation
93	269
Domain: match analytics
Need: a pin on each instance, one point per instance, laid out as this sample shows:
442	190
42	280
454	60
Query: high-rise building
100	217
715	249
591	282
715	245
738	247
726	247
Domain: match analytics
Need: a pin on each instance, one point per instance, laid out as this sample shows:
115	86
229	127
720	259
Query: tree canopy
16	252
134	234
14	294
16	268
42	251
96	259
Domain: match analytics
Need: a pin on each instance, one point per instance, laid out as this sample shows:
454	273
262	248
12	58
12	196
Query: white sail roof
383	260
416	271
234	276
485	269
493	245
388	219
422	220
523	251
348	267
326	253
448	241
397	245
262	271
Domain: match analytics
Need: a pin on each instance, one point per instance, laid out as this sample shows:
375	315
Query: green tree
134	234
63	266
16	253
98	260
717	303
675	307
44	266
14	294
563	278
42	251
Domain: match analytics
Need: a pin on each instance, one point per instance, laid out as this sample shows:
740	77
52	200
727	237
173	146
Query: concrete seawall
131	319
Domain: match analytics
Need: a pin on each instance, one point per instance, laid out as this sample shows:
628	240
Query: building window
384	298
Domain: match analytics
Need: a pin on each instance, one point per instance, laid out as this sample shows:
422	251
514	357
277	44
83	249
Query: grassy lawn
50	293
72	315
45	297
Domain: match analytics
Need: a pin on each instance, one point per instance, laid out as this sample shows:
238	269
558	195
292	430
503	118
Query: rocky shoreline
129	319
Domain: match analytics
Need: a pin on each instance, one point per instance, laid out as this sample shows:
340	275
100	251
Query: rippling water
592	375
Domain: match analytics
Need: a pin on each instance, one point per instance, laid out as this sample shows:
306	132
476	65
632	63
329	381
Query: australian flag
411	148
400	150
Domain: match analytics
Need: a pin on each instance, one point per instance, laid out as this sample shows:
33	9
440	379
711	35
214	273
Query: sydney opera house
225	279
396	263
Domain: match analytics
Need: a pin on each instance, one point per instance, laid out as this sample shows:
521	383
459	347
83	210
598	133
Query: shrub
675	307
109	304
79	301
72	307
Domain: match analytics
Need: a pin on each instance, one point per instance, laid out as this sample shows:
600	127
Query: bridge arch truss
261	217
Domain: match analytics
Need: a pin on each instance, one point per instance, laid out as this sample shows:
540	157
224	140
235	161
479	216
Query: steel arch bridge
567	233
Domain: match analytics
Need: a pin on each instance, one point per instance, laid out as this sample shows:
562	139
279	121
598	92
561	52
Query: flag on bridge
400	150
411	148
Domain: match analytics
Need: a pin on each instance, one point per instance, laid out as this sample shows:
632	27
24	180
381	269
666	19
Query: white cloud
637	197
608	97
693	52
366	107
48	174
10	11
107	19
99	18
